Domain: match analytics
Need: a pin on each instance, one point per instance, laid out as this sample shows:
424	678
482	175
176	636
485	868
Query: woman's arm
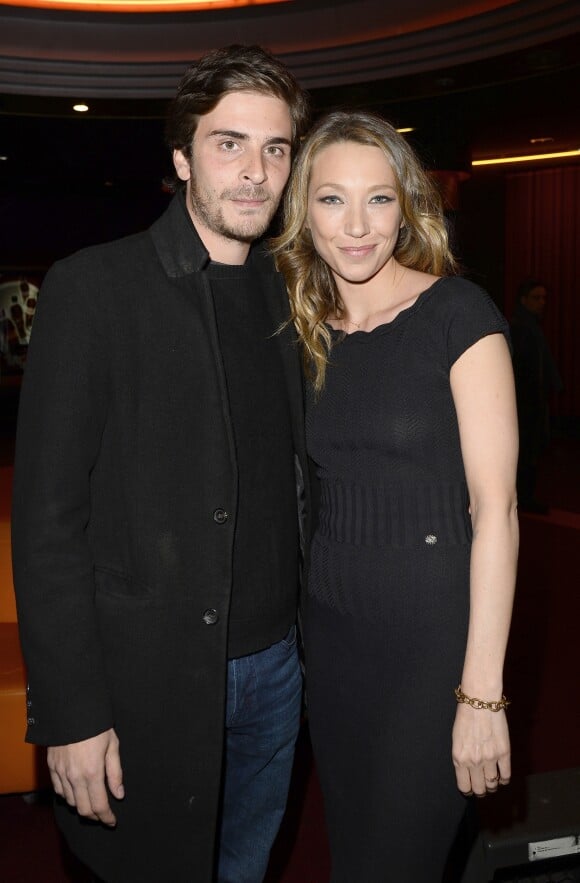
483	392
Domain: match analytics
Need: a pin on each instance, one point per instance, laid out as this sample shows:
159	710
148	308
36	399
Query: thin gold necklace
396	282
346	321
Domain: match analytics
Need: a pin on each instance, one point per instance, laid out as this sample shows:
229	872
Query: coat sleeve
63	409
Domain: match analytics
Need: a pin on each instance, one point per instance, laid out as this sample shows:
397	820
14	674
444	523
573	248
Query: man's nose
254	169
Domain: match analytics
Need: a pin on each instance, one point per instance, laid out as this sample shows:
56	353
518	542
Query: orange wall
7	602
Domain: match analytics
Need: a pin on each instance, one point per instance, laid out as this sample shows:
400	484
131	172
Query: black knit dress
388	597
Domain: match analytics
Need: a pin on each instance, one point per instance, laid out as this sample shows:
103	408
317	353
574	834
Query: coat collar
176	241
180	248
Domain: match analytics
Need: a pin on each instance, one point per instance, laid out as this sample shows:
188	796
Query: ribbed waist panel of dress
393	515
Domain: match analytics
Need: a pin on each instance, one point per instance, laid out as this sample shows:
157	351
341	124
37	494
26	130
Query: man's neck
222	249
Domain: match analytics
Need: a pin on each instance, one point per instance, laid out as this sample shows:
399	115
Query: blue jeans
262	721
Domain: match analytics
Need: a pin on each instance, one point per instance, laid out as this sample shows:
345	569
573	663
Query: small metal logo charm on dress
430	539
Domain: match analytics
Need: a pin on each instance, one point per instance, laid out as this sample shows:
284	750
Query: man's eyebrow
243	136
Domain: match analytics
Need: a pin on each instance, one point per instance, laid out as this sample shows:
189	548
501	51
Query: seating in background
22	766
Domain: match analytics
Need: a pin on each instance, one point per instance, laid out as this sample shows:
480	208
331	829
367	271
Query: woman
411	424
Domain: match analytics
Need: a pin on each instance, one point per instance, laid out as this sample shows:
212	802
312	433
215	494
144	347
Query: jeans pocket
290	639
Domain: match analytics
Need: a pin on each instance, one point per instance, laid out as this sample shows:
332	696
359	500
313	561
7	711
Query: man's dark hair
233	68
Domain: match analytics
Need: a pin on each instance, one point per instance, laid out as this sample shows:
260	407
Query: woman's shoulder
457	288
455	294
462	313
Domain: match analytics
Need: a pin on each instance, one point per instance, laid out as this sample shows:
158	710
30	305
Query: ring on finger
493	780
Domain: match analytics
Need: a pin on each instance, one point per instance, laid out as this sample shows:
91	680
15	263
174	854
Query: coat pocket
114	584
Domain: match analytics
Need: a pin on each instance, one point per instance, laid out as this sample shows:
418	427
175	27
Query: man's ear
182	166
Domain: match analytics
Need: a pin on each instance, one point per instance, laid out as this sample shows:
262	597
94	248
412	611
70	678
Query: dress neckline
360	334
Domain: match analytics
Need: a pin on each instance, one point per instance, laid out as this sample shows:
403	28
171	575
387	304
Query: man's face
240	163
535	300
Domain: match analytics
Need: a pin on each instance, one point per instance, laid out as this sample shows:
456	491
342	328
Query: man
536	378
155	524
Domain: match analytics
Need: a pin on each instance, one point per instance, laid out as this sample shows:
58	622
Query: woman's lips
356	251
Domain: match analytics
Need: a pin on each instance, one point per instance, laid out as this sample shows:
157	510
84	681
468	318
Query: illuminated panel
500	160
139	5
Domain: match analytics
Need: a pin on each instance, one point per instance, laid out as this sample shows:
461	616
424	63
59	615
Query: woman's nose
357	224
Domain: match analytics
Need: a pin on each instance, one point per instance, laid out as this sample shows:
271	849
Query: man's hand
78	772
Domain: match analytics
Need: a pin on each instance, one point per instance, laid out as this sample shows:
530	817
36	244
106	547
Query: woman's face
353	214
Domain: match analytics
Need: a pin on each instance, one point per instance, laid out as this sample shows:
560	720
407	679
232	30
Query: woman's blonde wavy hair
422	244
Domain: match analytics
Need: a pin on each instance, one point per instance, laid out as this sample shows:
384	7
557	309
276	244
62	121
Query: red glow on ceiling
138	5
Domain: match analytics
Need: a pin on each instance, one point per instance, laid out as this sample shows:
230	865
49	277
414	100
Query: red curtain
543	242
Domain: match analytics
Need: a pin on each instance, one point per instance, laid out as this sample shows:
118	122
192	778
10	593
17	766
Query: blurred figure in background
536	377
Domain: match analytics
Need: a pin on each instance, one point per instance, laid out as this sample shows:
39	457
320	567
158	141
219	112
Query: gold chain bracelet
498	705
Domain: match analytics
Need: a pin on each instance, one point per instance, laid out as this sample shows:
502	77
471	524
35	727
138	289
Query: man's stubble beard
208	208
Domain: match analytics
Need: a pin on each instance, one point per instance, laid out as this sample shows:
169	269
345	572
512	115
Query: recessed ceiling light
546	140
406	130
3	159
81	108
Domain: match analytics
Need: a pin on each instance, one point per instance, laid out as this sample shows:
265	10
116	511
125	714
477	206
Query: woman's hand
481	750
483	393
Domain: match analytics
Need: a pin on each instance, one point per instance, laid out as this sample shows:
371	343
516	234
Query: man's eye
228	145
275	150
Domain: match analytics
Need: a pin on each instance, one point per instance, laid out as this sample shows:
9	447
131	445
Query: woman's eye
330	200
381	199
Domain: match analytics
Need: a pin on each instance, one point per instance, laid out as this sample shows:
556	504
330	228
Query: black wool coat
123	524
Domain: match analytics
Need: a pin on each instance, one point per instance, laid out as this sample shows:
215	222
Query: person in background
155	525
536	377
411	426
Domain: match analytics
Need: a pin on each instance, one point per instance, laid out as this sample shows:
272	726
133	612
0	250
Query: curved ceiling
472	80
138	5
325	44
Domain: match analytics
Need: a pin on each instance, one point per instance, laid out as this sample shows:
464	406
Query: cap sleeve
470	314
